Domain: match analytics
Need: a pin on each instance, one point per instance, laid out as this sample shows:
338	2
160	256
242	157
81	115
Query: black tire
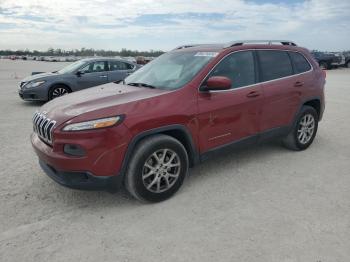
144	151
293	140
57	91
324	65
347	64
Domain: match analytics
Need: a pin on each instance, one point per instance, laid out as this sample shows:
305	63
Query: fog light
73	150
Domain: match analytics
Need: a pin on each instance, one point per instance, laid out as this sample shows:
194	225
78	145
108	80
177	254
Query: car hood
103	101
39	76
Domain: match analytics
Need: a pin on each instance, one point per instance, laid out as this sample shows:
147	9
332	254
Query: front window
171	70
239	67
72	67
98	66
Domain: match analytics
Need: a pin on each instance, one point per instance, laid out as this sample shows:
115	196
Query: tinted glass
99	66
239	67
118	65
301	65
274	64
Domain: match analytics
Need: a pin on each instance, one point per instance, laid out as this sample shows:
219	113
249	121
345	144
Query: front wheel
304	130
57	91
157	168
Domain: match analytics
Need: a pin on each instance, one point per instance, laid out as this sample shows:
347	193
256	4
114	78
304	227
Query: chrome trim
220	136
233	89
43	126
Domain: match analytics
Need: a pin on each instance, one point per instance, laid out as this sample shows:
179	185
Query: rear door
93	74
282	93
230	115
119	70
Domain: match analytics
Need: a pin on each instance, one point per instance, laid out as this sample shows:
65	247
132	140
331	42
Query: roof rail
185	46
269	42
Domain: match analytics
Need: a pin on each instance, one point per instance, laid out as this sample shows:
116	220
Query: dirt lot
263	203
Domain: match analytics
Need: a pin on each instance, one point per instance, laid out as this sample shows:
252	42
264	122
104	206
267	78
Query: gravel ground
262	203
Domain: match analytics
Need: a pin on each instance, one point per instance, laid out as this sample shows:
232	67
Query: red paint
212	118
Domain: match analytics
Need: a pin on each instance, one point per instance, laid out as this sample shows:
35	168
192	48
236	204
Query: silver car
82	74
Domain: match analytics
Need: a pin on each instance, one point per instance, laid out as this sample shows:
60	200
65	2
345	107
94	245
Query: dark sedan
82	74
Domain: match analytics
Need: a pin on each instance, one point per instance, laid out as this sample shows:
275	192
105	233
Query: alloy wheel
59	91
161	170
306	129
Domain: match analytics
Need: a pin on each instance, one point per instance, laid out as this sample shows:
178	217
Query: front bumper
82	180
33	94
98	169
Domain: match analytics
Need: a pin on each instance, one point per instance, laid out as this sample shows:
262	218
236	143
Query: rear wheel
57	91
324	65
304	130
157	168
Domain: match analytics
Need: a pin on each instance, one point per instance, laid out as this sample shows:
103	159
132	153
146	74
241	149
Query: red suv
175	112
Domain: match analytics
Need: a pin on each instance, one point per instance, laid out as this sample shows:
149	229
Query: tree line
81	52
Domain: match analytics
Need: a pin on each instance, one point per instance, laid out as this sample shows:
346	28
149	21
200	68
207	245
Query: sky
165	24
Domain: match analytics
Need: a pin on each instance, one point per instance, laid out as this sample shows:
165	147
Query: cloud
160	24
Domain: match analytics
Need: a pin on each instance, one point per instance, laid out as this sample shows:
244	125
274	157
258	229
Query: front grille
43	126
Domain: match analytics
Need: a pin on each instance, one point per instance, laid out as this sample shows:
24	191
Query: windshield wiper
141	85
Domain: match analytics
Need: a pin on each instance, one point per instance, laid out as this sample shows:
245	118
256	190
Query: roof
91	59
220	47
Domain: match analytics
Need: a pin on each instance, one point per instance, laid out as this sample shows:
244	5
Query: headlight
93	124
34	84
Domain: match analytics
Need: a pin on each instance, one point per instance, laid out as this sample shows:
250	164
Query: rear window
274	64
118	65
301	65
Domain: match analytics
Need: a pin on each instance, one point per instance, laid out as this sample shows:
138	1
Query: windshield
72	67
171	70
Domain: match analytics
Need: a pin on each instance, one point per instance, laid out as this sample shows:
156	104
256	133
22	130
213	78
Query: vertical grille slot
43	126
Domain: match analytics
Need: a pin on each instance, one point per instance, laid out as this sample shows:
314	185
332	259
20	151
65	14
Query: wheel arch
179	132
60	84
315	103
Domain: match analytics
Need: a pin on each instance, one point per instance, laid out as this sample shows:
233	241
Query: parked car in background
347	59
82	74
142	60
328	60
180	109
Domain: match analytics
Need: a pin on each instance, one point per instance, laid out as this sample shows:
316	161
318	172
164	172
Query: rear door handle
298	84
253	94
103	76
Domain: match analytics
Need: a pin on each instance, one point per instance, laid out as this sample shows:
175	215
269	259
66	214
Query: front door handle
298	84
253	94
103	76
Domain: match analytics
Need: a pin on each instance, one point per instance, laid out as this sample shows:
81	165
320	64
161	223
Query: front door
230	115
93	74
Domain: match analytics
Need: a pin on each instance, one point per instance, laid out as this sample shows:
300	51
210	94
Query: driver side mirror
216	83
79	73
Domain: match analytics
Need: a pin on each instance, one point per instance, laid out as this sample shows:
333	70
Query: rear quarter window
274	64
301	65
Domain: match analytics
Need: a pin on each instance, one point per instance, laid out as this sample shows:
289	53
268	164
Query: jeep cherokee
176	111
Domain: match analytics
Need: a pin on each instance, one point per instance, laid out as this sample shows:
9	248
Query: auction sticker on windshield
210	54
